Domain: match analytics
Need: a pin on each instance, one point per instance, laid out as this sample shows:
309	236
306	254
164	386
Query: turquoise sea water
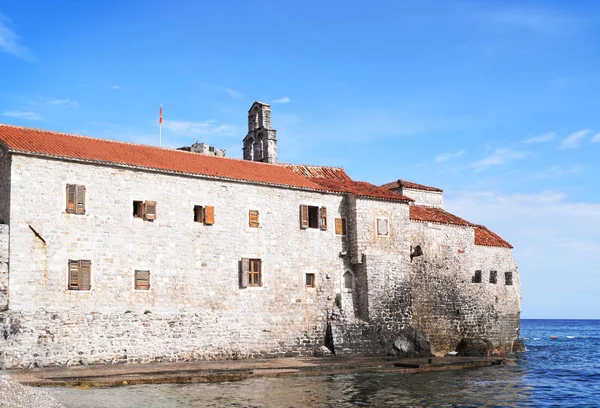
560	372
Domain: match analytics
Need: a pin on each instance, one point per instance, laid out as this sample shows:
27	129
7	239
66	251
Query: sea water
553	372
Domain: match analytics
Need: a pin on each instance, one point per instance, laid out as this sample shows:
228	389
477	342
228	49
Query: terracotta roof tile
334	173
431	214
360	189
54	144
485	237
409	184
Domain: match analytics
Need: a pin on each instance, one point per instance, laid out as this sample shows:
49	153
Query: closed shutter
150	210
71	198
85	275
323	219
244	269
80	196
209	215
304	216
142	280
73	275
382	227
253	218
340	226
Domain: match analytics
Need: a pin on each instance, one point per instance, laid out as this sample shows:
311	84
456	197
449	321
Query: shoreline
235	370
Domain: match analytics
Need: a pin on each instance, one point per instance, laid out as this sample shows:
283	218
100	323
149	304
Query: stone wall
424	197
4	237
447	304
5	166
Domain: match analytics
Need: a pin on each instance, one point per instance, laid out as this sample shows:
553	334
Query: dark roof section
485	237
360	189
431	214
321	172
409	184
66	146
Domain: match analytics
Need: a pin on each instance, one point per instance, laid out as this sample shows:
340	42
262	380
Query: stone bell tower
260	144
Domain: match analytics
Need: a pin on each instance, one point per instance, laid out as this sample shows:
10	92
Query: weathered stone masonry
195	308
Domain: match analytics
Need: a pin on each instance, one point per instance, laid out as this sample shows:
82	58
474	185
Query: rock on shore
15	395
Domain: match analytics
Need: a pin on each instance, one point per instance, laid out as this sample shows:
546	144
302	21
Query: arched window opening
348	281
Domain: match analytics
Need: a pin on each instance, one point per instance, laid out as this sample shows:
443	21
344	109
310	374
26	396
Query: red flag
160	118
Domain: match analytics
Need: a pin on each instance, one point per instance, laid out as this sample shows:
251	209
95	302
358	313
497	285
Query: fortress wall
4	237
424	197
195	304
447	304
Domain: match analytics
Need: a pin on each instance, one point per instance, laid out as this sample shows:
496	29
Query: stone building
117	252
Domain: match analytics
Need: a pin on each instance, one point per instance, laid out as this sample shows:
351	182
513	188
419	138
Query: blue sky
495	102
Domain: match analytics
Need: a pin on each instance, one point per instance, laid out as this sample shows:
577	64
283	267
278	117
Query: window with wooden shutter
150	210
75	199
138	209
310	280
303	216
244	272
253	218
80	275
382	226
340	226
198	213
142	280
323	219
209	215
254	273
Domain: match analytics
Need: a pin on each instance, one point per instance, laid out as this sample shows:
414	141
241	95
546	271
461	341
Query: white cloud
64	102
10	41
499	157
596	138
285	99
556	246
448	156
574	139
114	87
231	92
546	137
27	115
206	128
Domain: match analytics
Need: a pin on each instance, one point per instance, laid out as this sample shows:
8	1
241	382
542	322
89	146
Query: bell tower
260	144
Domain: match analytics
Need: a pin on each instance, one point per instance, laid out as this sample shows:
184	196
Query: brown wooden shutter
150	210
71	198
142	280
73	275
304	216
209	215
244	269
80	197
339	226
85	275
323	219
253	218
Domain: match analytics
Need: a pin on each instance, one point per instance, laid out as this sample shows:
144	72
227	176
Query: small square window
310	280
340	226
494	277
80	275
382	226
138	209
142	280
198	213
508	278
476	277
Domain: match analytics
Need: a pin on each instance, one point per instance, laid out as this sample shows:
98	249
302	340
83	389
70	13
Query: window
75	199
145	210
313	217
310	280
250	273
253	218
348	281
340	226
476	277
205	215
80	273
142	279
382	227
494	277
508	278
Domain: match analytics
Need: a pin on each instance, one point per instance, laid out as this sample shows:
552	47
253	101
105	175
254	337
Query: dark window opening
198	213
494	277
254	278
508	278
138	209
310	280
313	217
476	277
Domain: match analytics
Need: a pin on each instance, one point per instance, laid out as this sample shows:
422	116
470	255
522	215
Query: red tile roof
334	173
360	189
409	184
430	214
61	145
485	237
